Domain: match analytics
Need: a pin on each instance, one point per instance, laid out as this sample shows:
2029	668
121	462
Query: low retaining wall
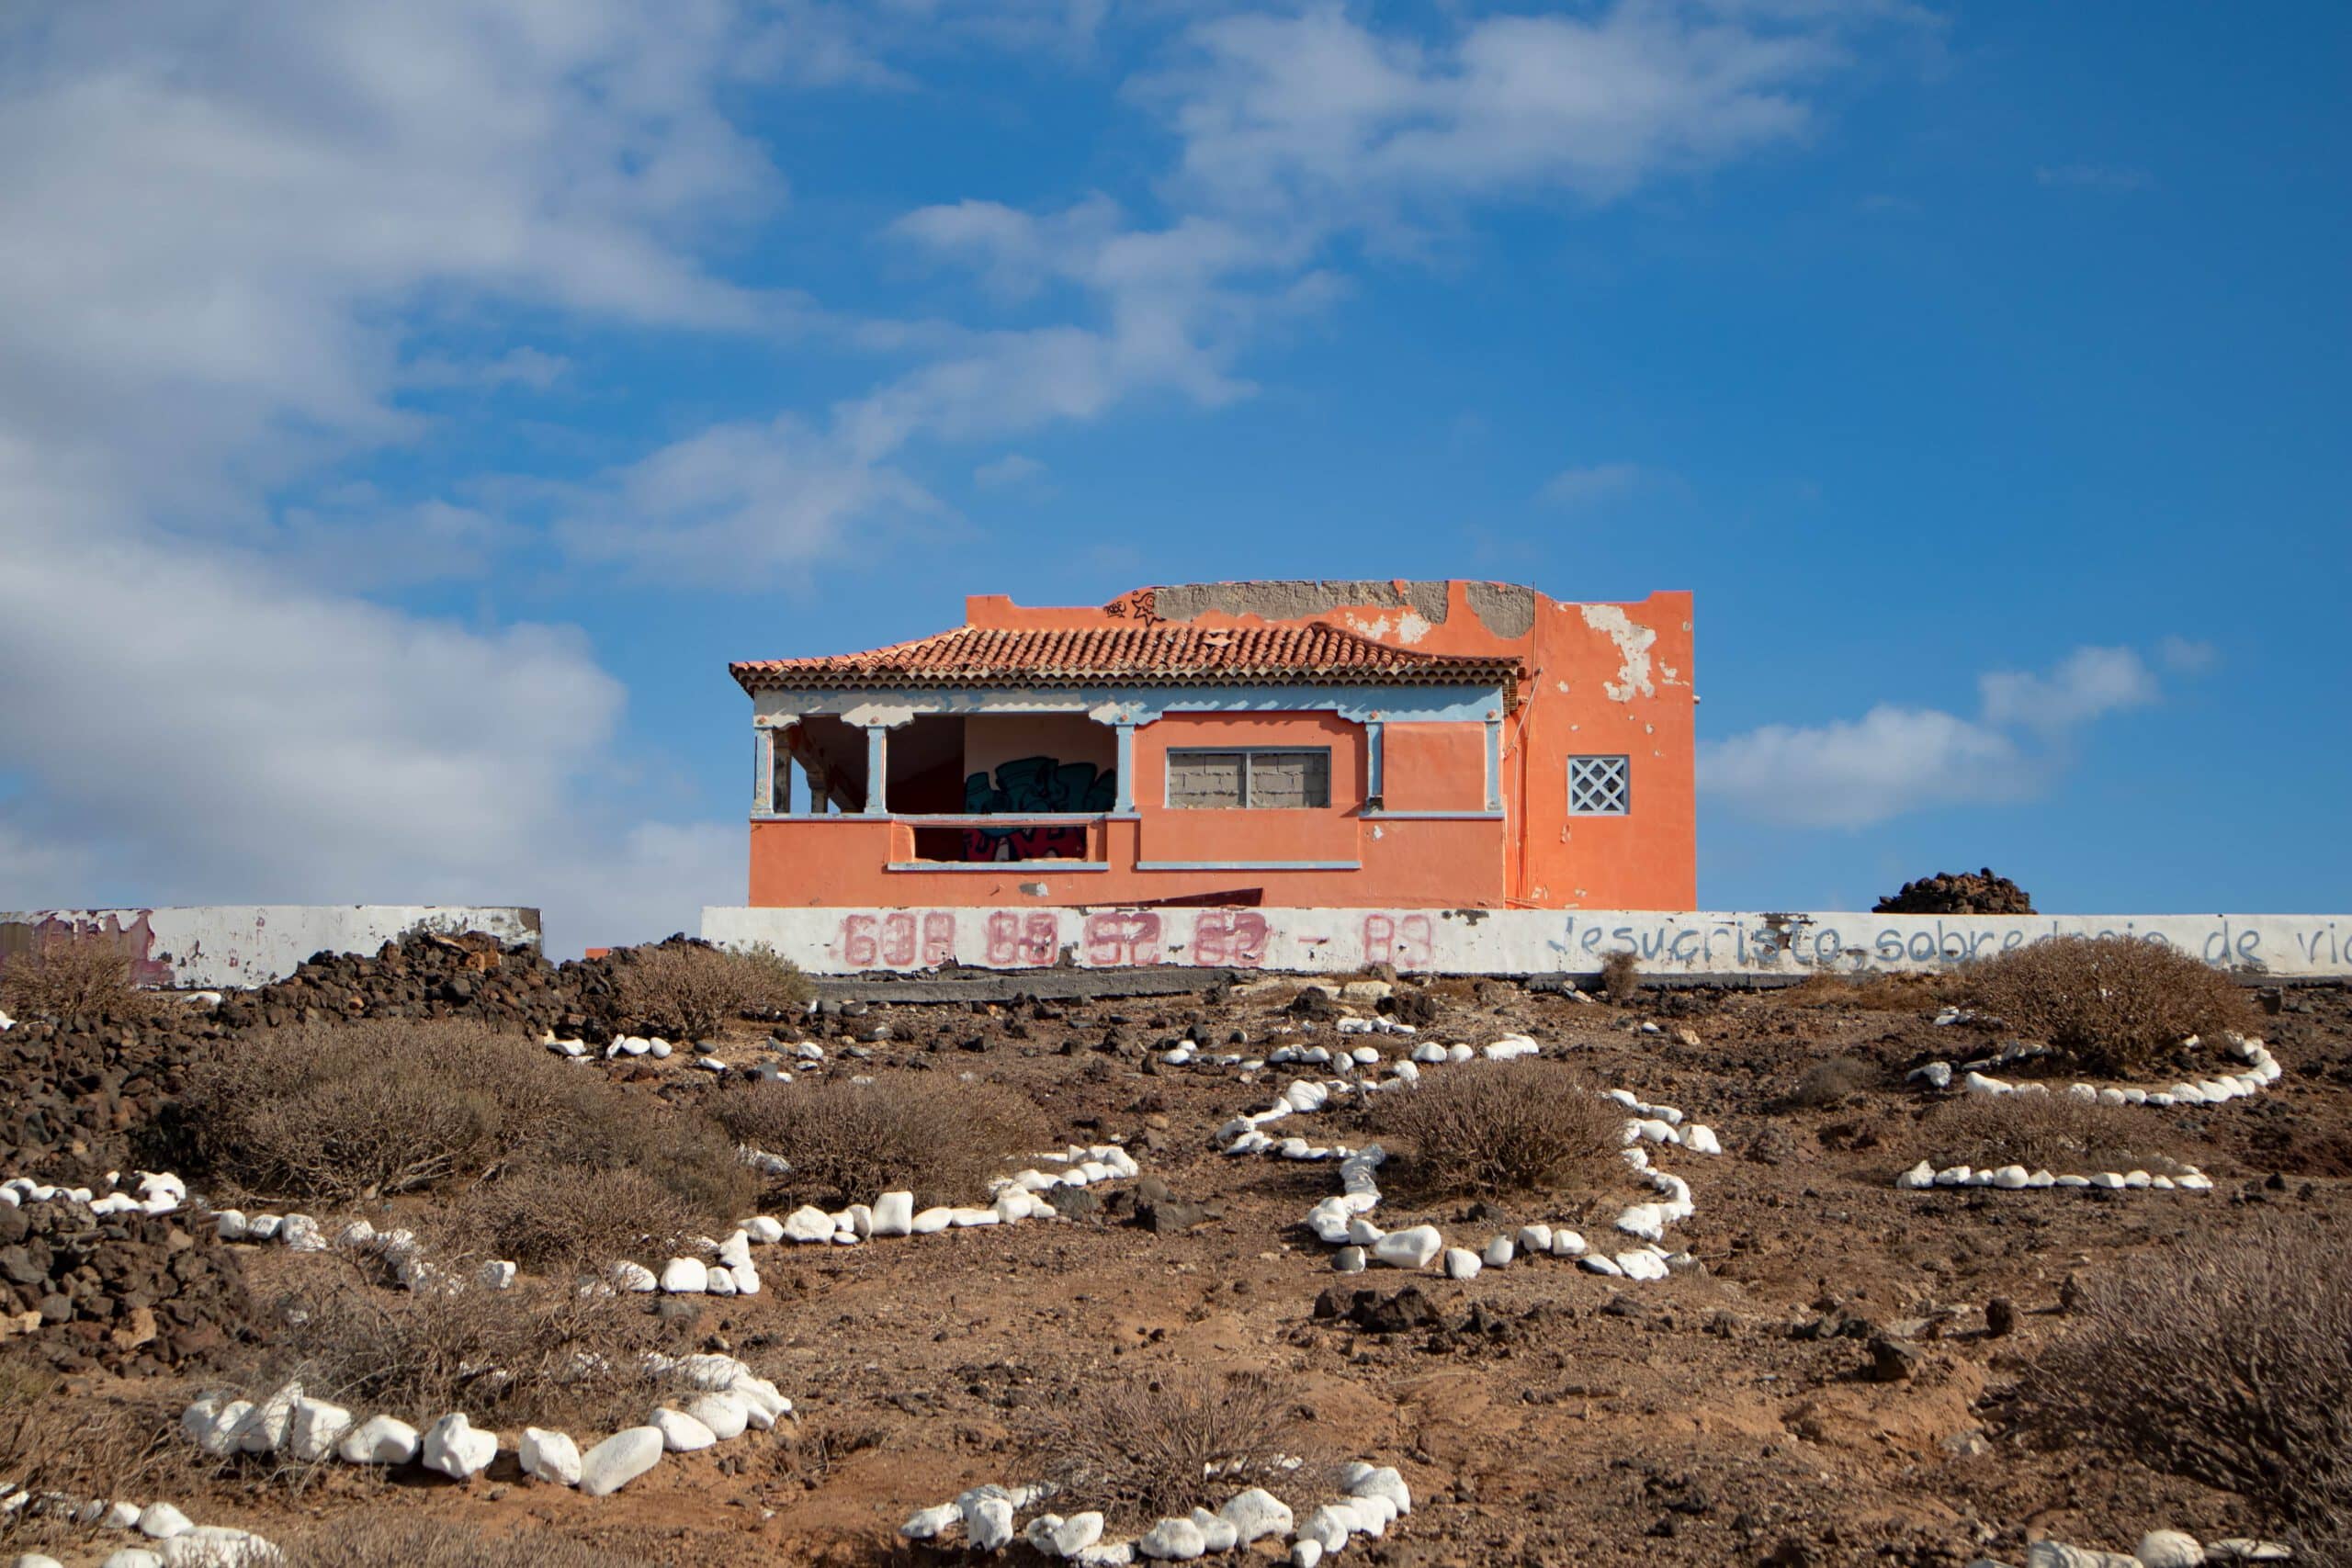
251	944
1494	941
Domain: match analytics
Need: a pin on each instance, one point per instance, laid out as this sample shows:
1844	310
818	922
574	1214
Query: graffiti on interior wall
1035	786
135	939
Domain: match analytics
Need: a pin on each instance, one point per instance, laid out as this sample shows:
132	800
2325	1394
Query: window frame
1247	755
1618	788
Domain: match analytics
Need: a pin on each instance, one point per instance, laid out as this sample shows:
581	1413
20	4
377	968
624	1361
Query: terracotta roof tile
1314	654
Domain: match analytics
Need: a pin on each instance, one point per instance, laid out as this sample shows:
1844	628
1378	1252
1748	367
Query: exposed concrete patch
1290	601
1632	645
1506	609
1407	629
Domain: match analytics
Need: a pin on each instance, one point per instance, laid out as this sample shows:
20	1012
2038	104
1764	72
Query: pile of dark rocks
471	976
85	1097
1958	892
136	1294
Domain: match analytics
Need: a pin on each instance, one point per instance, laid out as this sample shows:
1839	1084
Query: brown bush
1832	1082
1502	1127
1143	1449
372	1109
2226	1361
403	1541
544	1353
937	1137
2116	1005
2052	1132
81	979
121	1444
686	992
569	1218
1621	978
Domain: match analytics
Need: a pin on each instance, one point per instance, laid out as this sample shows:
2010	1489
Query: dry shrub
1502	1127
2226	1361
369	1109
1141	1449
568	1218
2118	1005
1832	1082
86	977
84	1445
545	1353
2052	1132
403	1541
937	1137
686	991
1621	978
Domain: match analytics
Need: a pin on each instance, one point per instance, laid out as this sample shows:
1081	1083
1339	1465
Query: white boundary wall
1492	942
251	944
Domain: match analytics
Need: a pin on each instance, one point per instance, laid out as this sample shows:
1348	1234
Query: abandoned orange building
1349	744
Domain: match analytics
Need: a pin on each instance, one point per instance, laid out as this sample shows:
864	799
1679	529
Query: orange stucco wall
1610	680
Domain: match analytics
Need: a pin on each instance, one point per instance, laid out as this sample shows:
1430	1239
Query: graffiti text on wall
1034	786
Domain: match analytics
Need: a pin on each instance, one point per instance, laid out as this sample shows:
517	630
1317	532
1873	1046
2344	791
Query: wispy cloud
1895	759
1577	488
1004	473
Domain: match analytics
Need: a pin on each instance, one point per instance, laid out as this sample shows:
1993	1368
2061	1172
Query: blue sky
404	416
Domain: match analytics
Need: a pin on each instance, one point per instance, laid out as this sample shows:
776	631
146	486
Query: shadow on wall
1035	786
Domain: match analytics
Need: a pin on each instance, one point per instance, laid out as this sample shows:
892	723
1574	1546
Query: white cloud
1574	487
1317	111
1894	759
2088	682
1012	469
1854	772
231	217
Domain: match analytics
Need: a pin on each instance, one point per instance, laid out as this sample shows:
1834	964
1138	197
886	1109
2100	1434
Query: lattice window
1599	786
1259	781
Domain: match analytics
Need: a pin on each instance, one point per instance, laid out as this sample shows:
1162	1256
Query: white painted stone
453	1446
2169	1549
230	1225
988	1523
547	1456
893	1213
636	1277
1174	1541
1701	1140
1068	1537
1567	1244
161	1521
726	1414
133	1557
313	1428
1595	1263
685	1277
1305	1553
1413	1249
619	1460
681	1433
1328	1528
926	1524
763	1229
380	1439
1255	1514
931	1222
1499	1253
1349	1260
1461	1263
1384	1481
809	1223
1217	1533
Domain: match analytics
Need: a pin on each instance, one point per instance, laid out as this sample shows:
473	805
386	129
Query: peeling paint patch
1632	645
1408	628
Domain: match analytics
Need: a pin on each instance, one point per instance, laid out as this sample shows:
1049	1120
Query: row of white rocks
178	1542
159	1192
2157	1549
2016	1178
1016	1198
1375	1496
1342	1221
726	1400
2262	1070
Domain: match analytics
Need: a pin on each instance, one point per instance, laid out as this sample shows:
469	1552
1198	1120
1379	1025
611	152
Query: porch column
878	767
1126	766
762	771
1375	766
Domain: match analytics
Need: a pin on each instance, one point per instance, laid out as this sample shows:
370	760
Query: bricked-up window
1254	780
1600	786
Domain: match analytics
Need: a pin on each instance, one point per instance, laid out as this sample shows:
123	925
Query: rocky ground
1825	1386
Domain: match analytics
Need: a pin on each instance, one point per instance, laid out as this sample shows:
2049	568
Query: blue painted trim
1248	865
1008	867
1429	815
1140	704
